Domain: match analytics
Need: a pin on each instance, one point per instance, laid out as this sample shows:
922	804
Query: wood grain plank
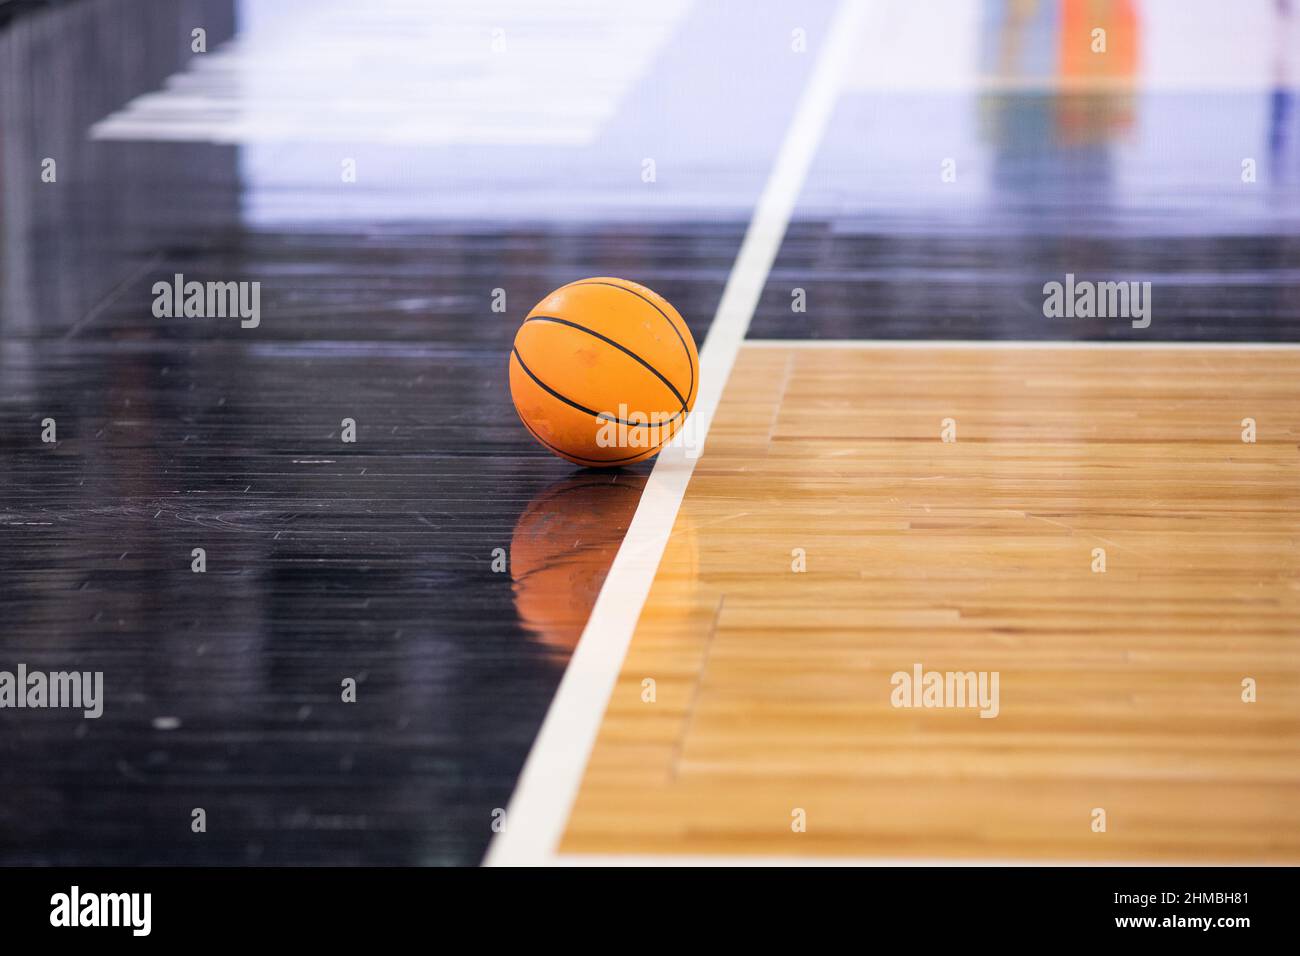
1119	690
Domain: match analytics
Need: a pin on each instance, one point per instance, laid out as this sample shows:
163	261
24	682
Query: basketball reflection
565	542
563	545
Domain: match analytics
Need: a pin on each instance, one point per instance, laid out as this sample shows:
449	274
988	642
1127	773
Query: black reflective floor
324	560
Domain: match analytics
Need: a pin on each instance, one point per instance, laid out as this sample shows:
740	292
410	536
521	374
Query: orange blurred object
604	372
1098	43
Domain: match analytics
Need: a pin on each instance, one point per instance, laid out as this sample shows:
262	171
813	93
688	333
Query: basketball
604	372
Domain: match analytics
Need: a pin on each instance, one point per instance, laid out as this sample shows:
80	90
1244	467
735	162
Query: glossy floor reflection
324	560
563	545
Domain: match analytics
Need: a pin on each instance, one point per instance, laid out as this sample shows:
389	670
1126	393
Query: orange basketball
604	372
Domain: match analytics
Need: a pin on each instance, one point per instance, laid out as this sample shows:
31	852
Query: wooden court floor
1120	691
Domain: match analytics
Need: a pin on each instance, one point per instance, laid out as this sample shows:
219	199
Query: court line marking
1004	344
539	809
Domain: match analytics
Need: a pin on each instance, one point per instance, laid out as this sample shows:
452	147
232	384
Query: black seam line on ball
671	324
608	341
597	462
599	416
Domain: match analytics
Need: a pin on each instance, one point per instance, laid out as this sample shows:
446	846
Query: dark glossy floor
325	560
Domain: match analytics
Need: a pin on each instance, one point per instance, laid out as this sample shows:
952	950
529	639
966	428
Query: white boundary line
539	809
1003	344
